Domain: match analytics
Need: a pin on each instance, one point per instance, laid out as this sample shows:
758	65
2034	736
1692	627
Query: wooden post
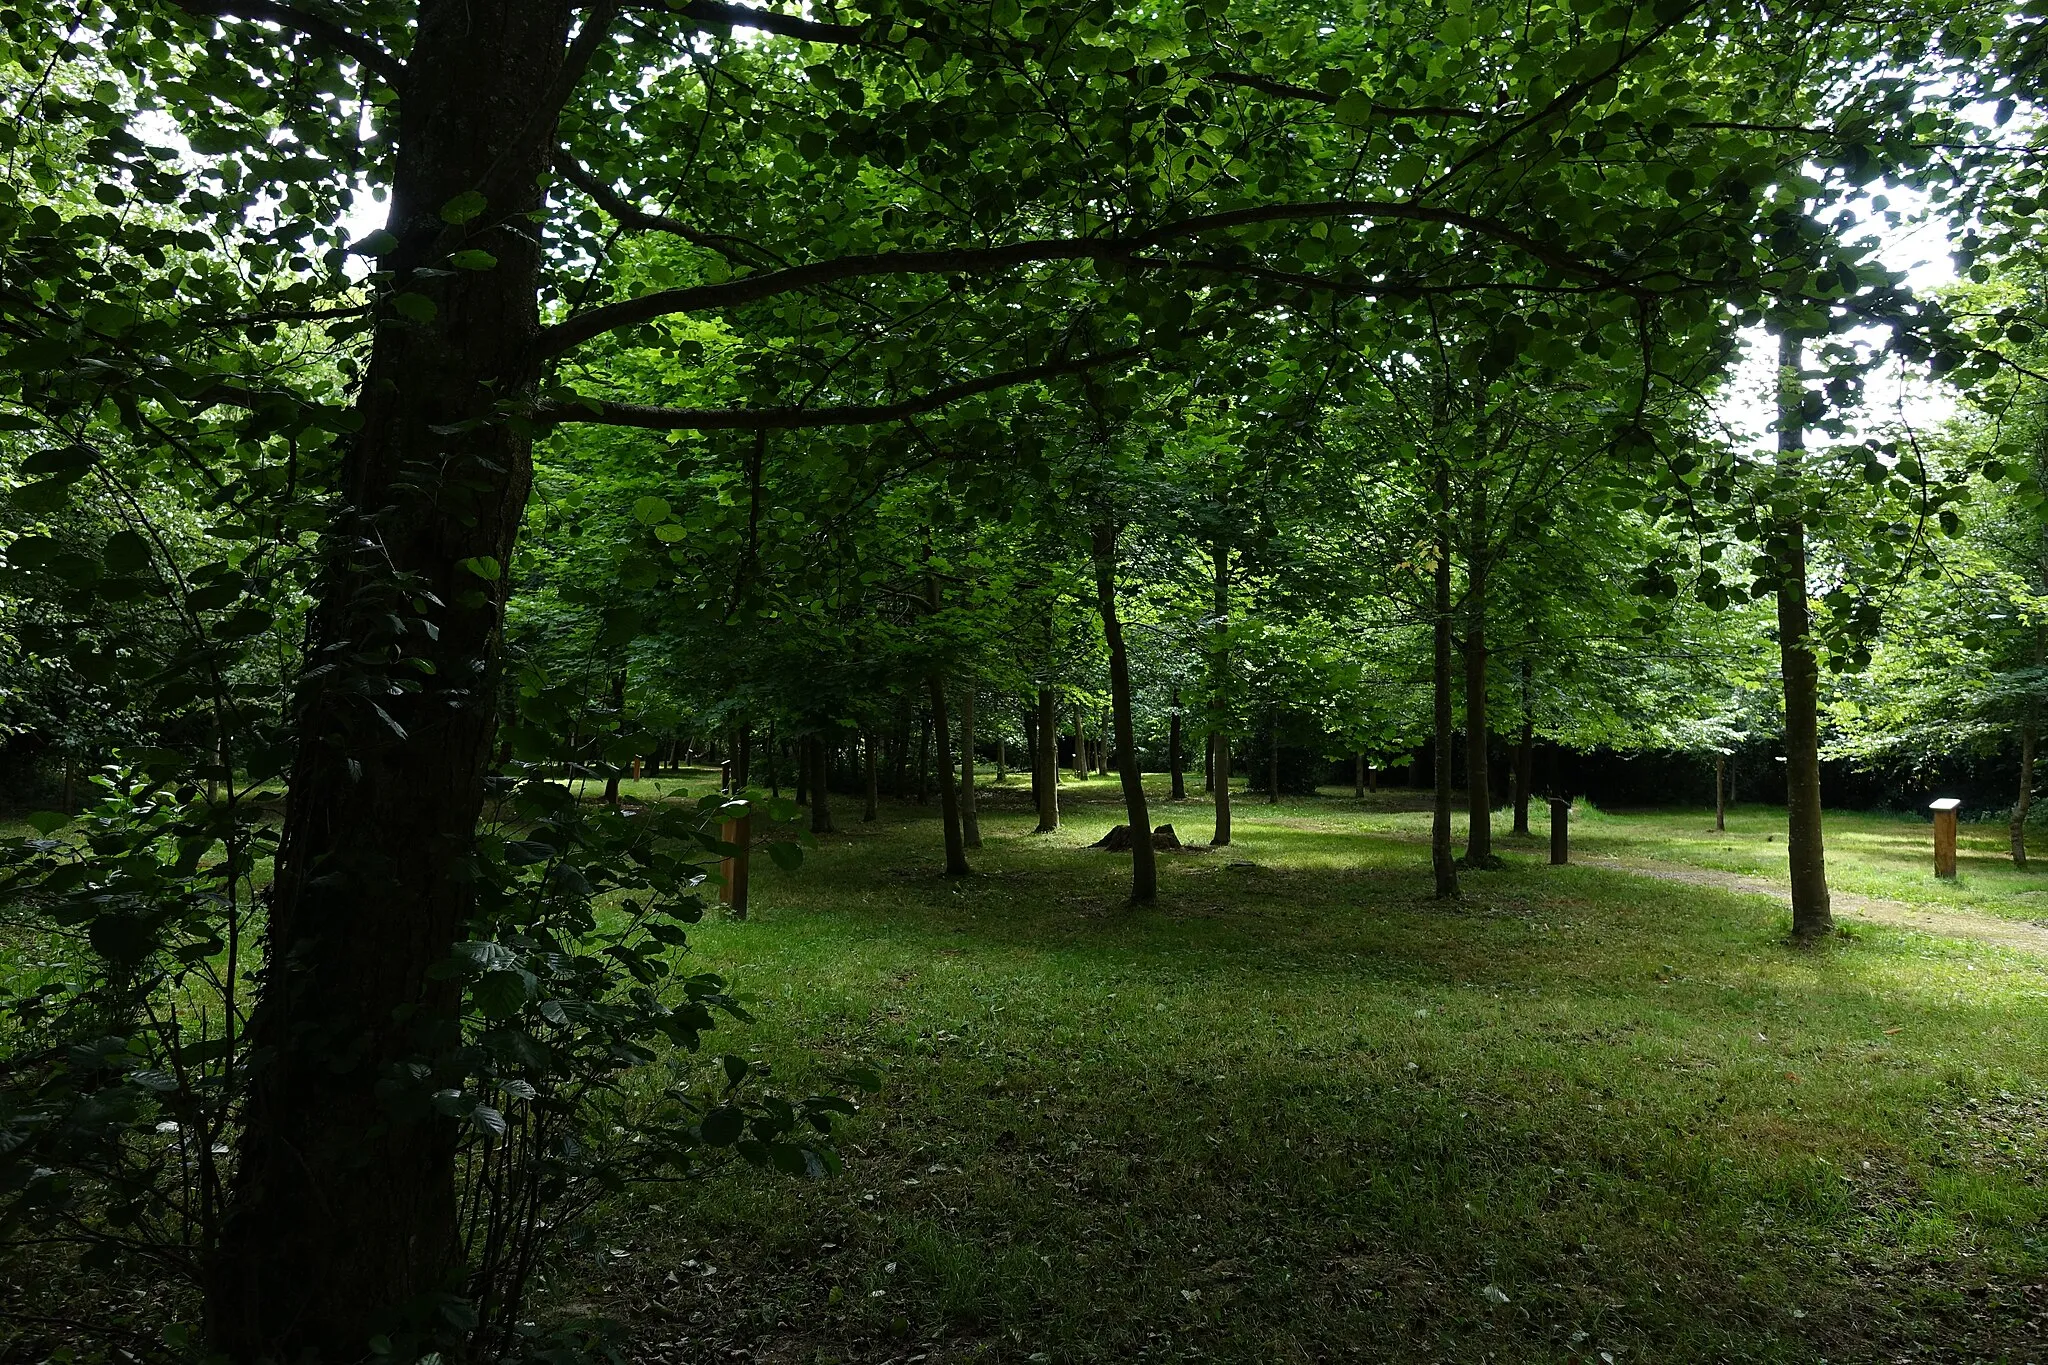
732	871
636	770
1560	830
1945	836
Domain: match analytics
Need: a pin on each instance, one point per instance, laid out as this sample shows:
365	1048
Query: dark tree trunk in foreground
1219	739
340	1213
1080	747
1144	858
821	784
1478	778
1175	760
949	799
871	807
970	818
1812	917
1441	859
1047	762
1358	777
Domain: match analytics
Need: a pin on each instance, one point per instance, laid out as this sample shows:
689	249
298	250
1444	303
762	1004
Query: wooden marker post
1945	836
1560	830
732	871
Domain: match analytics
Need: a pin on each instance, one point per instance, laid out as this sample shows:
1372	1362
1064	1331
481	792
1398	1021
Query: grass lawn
1302	1112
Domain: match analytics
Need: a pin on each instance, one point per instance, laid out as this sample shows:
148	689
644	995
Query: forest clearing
925	680
1308	1112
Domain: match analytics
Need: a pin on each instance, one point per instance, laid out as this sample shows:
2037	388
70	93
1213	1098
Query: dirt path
2006	933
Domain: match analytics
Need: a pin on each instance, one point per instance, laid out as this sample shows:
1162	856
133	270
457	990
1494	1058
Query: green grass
1300	1111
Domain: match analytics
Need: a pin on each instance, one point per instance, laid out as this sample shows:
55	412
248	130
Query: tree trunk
1441	859
1219	663
2028	738
1525	753
743	760
1358	777
821	784
1175	761
970	818
1720	792
611	777
1805	854
1478	776
924	761
1102	728
1047	762
940	729
871	808
1002	759
774	763
1144	858
803	770
340	1213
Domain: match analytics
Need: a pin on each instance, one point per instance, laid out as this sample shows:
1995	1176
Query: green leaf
484	567
650	511
1354	107
786	856
125	552
48	821
463	207
473	259
418	307
722	1127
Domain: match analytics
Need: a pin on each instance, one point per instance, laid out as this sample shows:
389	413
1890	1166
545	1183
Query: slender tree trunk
1720	792
1002	759
1175	761
1442	860
924	760
970	817
871	805
940	729
1525	755
1047	762
1358	777
1144	858
1219	736
611	777
821	784
1812	917
1478	776
743	759
2020	807
342	1214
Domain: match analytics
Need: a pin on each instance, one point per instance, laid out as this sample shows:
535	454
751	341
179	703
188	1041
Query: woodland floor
1302	1112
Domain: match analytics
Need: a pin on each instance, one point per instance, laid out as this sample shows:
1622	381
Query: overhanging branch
323	31
975	260
845	415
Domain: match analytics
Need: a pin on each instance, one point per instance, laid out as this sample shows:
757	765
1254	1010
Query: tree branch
1285	90
710	12
323	31
969	260
784	419
630	215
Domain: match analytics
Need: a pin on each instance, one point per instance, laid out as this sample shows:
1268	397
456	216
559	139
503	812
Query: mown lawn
1302	1112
